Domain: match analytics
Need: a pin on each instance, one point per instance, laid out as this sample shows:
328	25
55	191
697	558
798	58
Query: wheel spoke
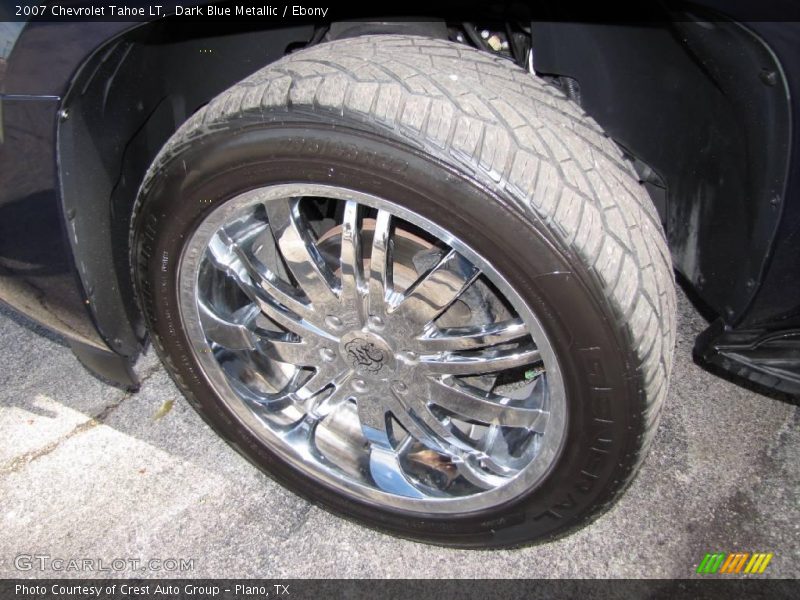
352	267
468	404
228	261
472	338
296	241
373	416
380	265
477	476
323	376
458	364
388	475
234	334
301	437
290	322
229	256
340	394
437	289
427	429
268	402
423	427
287	351
386	470
444	442
500	460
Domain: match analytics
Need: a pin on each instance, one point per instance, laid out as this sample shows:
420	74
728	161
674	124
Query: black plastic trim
767	358
106	365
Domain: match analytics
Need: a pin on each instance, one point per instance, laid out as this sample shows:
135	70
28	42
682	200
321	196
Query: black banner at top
302	11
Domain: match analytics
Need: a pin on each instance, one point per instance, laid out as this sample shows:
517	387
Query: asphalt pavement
88	471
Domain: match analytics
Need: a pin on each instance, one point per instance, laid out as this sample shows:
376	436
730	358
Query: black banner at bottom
413	589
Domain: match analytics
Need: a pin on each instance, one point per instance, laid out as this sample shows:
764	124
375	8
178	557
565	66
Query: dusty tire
492	155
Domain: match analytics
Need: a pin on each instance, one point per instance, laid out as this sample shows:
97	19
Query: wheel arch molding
704	108
122	104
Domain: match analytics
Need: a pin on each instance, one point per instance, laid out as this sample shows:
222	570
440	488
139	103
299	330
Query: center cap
367	353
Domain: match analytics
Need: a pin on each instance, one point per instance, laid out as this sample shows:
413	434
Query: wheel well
703	108
690	117
127	99
125	102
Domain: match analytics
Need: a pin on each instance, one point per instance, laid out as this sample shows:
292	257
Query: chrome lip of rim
366	347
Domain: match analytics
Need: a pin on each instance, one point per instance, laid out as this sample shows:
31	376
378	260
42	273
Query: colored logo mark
734	563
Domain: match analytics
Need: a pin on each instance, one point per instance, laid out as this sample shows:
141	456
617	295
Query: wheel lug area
399	387
359	385
333	322
407	357
375	322
327	355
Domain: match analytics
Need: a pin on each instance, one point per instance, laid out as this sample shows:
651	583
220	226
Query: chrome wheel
371	349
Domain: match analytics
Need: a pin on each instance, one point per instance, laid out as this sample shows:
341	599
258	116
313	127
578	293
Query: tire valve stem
532	374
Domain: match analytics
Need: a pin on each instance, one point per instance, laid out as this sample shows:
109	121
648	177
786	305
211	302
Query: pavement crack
303	514
20	462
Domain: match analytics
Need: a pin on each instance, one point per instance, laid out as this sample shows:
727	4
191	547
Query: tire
488	155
